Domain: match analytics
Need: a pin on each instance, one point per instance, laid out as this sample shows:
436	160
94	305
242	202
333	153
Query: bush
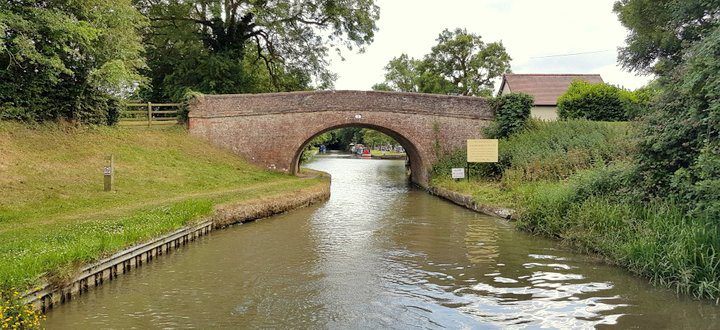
600	102
679	152
512	112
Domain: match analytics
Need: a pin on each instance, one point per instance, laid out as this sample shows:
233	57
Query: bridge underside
270	130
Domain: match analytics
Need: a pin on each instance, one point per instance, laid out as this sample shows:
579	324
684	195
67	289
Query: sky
533	32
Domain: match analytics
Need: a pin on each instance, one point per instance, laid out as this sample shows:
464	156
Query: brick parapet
212	106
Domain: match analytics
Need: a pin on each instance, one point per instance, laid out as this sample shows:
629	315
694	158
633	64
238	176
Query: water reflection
378	254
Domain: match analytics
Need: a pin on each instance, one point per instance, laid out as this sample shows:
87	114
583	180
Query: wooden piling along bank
48	295
109	268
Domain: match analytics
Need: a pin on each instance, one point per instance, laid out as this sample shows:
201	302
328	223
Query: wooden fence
151	114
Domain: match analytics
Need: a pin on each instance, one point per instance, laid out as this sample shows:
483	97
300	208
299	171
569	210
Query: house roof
545	88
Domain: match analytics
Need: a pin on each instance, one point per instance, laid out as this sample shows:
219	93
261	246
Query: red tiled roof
546	88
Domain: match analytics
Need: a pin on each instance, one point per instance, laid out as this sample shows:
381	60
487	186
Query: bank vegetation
55	216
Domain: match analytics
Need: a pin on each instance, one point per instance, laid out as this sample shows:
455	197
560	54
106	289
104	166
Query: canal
378	254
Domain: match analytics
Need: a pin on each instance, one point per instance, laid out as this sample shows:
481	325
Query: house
545	88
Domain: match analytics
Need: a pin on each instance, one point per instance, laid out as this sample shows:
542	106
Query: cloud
529	29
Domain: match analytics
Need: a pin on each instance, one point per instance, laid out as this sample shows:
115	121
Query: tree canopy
68	58
461	63
235	46
78	59
661	29
679	152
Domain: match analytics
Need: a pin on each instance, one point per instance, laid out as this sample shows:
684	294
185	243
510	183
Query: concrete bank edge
468	202
47	295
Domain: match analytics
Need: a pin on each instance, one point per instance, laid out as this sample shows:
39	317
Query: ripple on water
378	254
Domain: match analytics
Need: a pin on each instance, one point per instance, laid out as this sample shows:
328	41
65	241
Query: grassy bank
569	180
54	215
379	153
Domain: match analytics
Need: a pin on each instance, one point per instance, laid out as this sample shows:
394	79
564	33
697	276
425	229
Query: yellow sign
482	151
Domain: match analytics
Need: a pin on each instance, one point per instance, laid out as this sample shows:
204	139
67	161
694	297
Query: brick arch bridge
271	130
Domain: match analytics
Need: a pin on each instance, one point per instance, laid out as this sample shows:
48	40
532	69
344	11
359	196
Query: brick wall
271	129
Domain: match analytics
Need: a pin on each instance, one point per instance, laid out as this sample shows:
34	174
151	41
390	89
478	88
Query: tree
679	152
461	63
373	138
233	46
403	74
680	139
661	29
62	59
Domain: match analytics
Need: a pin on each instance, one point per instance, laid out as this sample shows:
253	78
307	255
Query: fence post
149	108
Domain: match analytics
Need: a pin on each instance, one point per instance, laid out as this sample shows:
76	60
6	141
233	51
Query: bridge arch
271	129
413	153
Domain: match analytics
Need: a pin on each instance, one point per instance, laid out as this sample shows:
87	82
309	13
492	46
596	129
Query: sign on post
482	151
108	172
458	173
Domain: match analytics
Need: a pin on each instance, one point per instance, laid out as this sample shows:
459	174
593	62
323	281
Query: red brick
271	129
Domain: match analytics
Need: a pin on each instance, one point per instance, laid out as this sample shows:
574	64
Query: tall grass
556	150
571	180
550	151
657	240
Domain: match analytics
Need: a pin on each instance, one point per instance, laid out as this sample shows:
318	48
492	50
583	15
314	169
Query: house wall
544	112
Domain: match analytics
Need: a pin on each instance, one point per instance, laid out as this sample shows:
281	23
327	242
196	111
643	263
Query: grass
570	181
54	215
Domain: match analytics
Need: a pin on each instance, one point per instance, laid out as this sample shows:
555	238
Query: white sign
458	173
107	170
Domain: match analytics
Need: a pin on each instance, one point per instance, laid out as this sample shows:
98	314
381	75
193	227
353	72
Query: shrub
679	152
15	314
512	112
600	102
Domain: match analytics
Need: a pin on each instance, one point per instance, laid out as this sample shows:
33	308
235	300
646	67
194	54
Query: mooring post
108	172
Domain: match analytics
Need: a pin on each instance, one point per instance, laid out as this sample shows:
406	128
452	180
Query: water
378	254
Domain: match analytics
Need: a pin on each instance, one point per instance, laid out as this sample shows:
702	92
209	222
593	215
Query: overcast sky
531	30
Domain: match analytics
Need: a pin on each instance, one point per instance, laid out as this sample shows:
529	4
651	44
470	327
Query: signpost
481	151
108	173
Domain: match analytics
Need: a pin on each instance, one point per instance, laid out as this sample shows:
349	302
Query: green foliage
461	63
601	102
340	139
223	46
550	151
679	140
512	112
68	60
372	137
54	214
382	87
16	314
641	100
402	74
659	240
661	30
575	181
